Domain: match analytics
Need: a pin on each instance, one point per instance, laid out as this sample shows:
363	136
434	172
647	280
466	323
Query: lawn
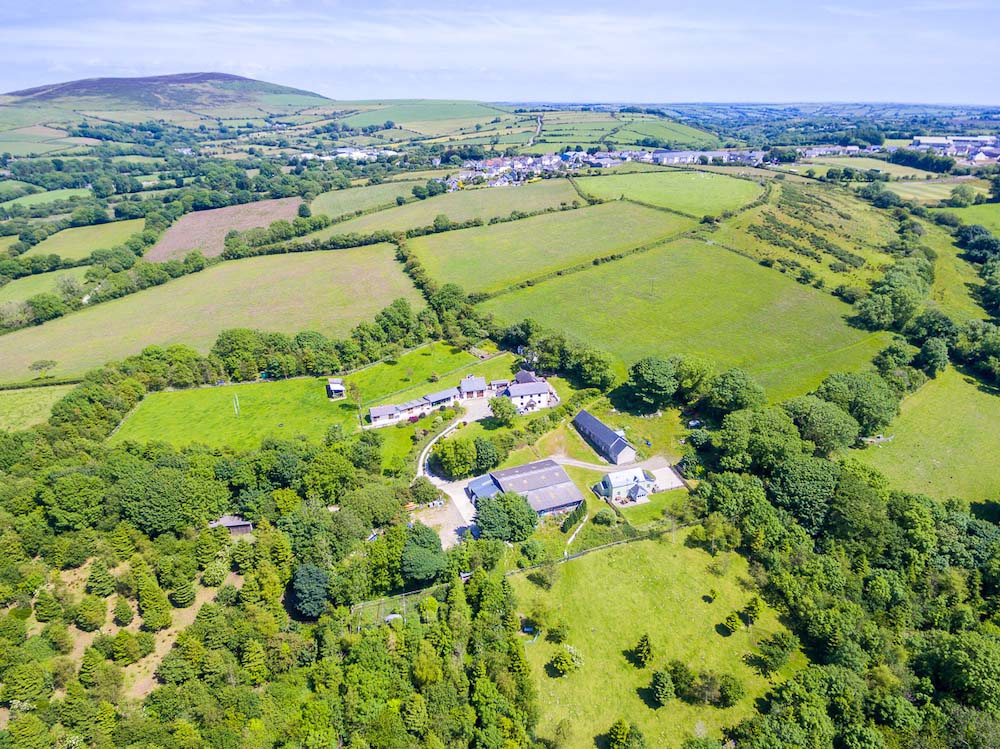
39	198
20	409
490	258
482	203
608	599
651	513
289	293
338	203
299	406
987	214
944	442
79	242
22	288
689	297
695	193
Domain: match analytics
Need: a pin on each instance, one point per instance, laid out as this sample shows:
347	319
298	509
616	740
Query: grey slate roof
608	442
378	411
472	384
524	376
543	483
528	388
441	396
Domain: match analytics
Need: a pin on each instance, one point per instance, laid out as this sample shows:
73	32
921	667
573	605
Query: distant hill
181	90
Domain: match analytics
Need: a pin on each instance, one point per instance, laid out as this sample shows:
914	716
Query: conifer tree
47	607
643	651
101	582
663	687
123	612
90	667
254	662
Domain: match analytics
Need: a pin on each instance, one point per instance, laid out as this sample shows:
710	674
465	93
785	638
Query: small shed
335	388
236	525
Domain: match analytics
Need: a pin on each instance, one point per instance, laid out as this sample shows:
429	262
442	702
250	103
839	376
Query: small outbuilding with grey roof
472	386
610	445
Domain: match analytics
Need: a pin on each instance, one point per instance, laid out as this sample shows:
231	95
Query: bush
606	516
567	660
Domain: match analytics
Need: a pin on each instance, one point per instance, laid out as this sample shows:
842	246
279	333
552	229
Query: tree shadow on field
631	657
722	630
646	695
552	672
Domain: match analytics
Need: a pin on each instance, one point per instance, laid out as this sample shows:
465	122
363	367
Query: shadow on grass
631	657
646	695
723	631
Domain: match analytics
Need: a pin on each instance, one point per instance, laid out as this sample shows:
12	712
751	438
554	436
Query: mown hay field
933	191
206	230
695	193
689	297
77	243
987	214
338	203
288	293
489	258
655	587
463	205
49	196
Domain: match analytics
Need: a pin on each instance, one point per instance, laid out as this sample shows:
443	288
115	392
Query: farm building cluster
527	391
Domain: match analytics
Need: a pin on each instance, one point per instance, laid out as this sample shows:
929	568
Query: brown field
206	230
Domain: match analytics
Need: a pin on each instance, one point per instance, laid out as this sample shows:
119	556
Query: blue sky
513	50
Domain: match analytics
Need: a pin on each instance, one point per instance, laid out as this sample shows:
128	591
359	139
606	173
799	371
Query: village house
530	396
236	525
633	485
609	444
544	484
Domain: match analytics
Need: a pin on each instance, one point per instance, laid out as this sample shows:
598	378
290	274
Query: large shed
610	445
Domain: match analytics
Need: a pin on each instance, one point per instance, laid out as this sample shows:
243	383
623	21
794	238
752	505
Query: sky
925	51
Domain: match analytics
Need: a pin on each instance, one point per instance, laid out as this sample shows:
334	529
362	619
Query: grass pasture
299	406
40	283
20	409
944	442
290	293
77	243
40	198
956	280
415	113
808	226
689	297
338	203
608	599
490	258
987	214
694	193
864	163
206	230
462	205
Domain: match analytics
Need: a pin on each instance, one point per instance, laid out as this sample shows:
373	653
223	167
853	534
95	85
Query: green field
40	283
945	441
489	258
300	406
39	198
78	243
932	191
809	217
20	409
694	193
483	203
304	291
608	599
956	280
10	187
864	163
338	203
987	214
689	297
411	113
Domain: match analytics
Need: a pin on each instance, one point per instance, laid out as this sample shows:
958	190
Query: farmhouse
530	396
630	485
412	409
543	483
608	443
335	388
